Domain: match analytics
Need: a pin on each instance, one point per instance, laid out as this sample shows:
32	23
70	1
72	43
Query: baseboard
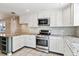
17	50
56	53
29	47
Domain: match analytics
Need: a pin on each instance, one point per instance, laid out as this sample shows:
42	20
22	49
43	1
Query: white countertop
73	44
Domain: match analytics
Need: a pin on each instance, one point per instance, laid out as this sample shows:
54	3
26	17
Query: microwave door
43	22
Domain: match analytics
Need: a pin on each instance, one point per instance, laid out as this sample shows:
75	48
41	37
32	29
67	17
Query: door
56	44
76	14
30	41
17	43
68	17
56	18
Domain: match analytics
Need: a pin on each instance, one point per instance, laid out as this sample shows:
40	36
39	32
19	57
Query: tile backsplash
55	30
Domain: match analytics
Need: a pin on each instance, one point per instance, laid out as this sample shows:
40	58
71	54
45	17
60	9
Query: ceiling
26	8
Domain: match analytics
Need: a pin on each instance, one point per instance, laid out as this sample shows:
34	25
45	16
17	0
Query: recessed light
27	10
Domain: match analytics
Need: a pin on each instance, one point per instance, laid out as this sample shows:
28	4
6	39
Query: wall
3	16
77	31
53	14
64	30
55	30
24	29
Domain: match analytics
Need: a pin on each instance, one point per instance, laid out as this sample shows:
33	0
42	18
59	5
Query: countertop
11	35
73	44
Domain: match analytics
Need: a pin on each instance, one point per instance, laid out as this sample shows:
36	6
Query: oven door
42	42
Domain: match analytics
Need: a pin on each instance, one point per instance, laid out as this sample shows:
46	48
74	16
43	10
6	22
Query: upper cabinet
56	18
31	20
76	14
71	15
43	14
67	16
24	19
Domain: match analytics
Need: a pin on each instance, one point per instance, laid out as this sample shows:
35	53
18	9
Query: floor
31	52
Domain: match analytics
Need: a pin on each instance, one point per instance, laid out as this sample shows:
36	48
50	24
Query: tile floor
31	52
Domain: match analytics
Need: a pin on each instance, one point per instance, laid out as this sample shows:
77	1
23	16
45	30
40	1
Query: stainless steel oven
42	40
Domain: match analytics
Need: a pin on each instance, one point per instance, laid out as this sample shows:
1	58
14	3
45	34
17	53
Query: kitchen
50	29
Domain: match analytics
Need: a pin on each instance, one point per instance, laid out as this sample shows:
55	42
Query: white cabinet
31	20
44	14
71	15
30	41
24	19
67	16
76	14
59	18
56	44
53	19
17	43
56	18
23	40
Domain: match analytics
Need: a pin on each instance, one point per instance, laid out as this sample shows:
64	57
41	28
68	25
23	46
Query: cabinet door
33	22
30	41
76	14
56	18
44	14
53	19
59	18
17	43
56	44
23	19
67	21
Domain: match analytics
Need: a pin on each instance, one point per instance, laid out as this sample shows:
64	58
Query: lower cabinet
17	43
23	40
30	41
56	44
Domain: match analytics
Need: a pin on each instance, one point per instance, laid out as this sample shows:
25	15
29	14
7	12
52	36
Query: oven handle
42	38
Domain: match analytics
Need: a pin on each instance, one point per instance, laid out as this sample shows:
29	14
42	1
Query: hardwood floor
30	52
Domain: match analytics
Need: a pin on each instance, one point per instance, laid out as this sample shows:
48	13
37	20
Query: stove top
44	32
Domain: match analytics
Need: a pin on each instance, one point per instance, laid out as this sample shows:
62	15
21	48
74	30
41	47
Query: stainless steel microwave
43	22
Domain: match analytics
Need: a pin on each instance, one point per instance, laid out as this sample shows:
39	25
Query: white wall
77	31
53	15
55	30
64	30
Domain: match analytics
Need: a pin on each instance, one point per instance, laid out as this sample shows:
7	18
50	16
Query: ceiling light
27	10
